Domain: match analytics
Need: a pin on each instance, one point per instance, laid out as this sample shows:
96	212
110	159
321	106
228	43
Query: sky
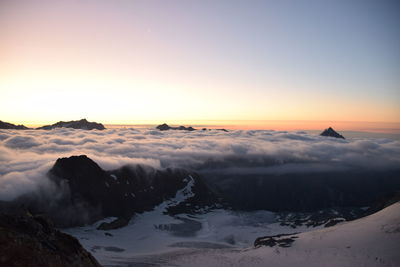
128	62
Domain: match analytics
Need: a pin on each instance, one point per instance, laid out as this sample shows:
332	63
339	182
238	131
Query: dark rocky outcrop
166	127
331	133
7	125
91	193
282	240
325	217
27	240
81	124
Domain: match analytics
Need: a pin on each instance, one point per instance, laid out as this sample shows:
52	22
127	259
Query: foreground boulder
81	124
331	133
7	125
90	193
26	240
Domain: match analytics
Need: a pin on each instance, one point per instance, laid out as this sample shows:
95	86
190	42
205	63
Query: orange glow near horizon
122	62
288	125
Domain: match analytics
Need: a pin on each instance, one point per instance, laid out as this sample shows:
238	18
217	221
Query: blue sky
214	60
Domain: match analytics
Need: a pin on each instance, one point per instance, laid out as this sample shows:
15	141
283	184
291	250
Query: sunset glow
200	133
139	62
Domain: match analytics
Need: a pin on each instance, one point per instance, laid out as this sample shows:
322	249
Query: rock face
26	240
166	127
91	193
81	124
7	125
331	133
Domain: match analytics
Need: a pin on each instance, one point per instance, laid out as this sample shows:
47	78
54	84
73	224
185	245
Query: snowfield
226	239
369	241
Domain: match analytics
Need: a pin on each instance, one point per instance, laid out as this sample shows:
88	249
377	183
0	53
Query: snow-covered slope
370	241
152	237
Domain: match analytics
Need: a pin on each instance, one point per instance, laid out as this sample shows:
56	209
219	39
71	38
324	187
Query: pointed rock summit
331	133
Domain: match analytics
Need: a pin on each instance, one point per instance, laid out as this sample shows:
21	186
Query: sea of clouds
26	155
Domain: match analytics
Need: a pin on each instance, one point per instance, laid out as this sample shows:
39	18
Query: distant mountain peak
80	124
7	125
330	132
166	127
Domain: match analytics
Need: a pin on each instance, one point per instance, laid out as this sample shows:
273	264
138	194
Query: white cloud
25	156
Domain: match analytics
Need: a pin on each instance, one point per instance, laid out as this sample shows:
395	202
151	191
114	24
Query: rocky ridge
7	125
80	124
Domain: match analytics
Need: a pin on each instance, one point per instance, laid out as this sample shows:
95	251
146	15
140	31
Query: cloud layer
26	156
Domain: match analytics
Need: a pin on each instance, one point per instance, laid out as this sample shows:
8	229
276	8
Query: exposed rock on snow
91	193
282	240
326	217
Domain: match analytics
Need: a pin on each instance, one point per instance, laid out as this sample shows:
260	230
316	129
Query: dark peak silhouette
91	193
81	124
331	133
166	127
7	125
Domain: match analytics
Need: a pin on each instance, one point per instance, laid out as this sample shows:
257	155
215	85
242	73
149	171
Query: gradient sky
154	61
